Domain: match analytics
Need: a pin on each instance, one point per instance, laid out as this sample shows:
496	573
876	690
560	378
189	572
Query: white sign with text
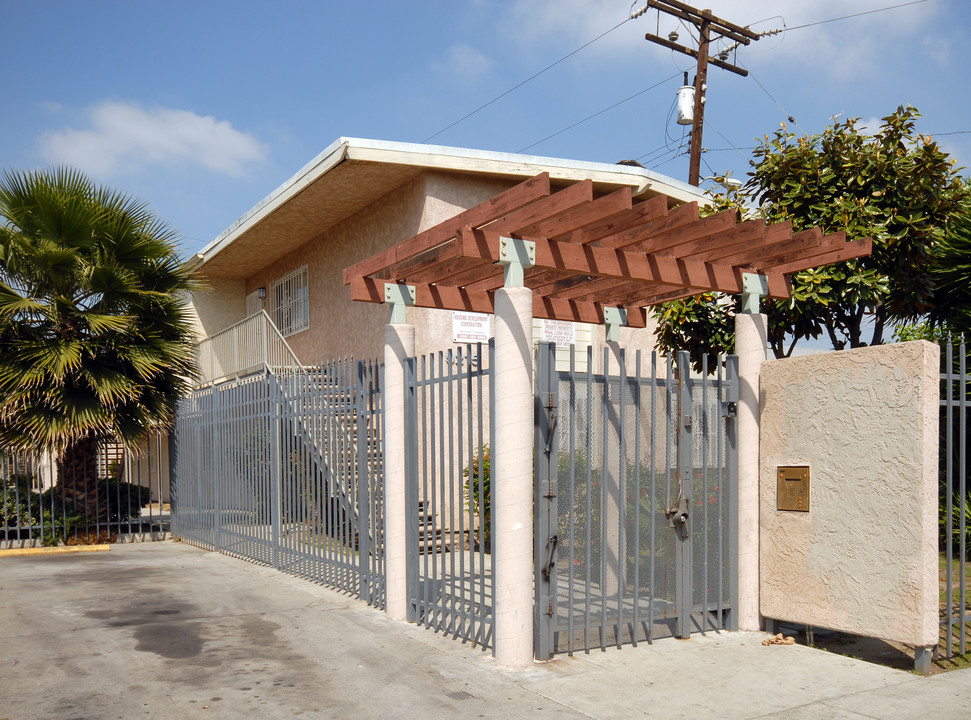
560	332
470	327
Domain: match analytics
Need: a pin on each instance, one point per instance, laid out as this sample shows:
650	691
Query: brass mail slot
793	489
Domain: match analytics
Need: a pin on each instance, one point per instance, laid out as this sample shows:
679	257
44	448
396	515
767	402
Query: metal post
363	506
411	486
276	481
731	440
681	515
544	501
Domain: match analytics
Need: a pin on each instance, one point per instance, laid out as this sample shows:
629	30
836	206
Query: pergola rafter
594	253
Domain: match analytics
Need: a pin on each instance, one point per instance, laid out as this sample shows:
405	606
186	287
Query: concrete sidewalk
163	630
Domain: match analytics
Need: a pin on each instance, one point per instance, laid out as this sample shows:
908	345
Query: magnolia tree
893	185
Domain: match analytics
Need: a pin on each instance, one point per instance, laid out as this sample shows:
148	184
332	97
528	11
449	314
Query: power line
722	135
599	112
785	112
530	78
859	14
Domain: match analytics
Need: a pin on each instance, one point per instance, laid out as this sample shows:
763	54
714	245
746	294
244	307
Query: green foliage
703	325
958	509
54	520
951	275
894	186
478	493
94	341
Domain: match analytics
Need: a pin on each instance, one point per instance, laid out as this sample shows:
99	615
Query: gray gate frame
545	491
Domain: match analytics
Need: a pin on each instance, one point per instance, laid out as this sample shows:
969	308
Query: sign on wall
470	327
561	332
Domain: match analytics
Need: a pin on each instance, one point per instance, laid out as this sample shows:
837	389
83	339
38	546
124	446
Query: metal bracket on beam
754	287
614	318
515	255
399	296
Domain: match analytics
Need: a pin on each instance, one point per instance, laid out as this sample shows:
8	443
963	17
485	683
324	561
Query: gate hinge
729	409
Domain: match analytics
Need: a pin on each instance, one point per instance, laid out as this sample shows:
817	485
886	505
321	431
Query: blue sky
202	108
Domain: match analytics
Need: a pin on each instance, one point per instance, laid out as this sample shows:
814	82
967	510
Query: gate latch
551	423
550	557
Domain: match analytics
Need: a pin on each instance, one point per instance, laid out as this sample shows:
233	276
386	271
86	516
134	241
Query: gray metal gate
448	492
955	501
636	478
286	469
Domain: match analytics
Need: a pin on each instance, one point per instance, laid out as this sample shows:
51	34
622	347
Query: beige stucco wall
339	327
864	558
220	304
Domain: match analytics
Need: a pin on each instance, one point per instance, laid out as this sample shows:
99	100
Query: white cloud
124	138
467	62
842	48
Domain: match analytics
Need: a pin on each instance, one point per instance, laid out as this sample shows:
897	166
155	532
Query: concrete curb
59	550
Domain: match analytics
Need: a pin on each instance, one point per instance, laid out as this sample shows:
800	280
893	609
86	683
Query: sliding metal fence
105	494
955	501
636	476
451	568
287	469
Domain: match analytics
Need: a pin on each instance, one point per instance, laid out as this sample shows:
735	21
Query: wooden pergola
594	254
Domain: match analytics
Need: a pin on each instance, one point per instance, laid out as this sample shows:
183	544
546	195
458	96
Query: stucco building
356	198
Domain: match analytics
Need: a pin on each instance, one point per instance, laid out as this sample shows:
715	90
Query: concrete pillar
512	478
751	341
399	344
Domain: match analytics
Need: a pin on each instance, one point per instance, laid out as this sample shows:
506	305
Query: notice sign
560	332
470	327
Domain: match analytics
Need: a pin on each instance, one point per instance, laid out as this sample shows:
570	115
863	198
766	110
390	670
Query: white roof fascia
448	158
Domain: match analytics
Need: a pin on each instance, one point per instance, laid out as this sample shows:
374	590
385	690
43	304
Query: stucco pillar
399	345
512	477
751	341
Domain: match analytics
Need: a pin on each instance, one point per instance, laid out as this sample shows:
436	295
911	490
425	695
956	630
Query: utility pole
709	28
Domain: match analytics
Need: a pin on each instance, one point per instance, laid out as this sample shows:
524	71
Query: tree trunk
79	478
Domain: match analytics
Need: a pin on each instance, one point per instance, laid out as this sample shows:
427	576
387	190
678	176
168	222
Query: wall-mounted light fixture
261	293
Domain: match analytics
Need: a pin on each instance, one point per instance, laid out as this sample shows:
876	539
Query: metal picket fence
451	568
955	501
286	469
109	494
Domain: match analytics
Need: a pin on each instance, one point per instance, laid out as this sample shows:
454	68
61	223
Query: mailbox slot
793	489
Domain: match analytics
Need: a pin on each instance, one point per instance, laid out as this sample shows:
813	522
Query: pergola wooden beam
506	202
621	265
592	253
444	297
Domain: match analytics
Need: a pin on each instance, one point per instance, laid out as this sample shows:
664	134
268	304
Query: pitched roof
353	173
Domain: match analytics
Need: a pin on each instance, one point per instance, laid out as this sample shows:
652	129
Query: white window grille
290	302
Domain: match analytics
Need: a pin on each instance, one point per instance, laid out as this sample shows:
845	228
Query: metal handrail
251	345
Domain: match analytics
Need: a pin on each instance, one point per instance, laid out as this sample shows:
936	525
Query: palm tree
94	341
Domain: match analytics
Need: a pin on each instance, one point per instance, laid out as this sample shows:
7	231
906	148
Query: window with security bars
290	302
